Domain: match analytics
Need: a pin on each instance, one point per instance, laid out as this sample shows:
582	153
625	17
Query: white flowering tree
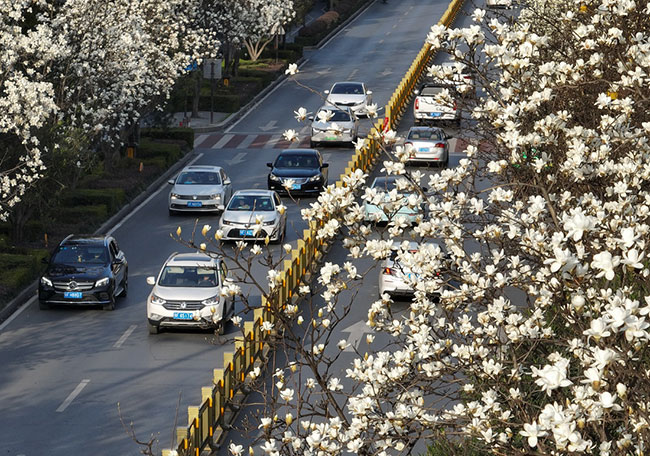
528	333
262	20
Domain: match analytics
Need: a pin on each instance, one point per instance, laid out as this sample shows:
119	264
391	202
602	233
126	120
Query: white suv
187	293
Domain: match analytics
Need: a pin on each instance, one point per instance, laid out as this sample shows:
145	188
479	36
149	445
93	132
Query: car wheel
125	285
172	213
153	329
43	305
111	304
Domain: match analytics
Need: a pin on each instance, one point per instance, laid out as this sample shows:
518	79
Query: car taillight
455	105
387	271
417	103
440	145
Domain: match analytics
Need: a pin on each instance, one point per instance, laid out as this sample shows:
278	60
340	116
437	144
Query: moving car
427	144
398	279
199	188
303	167
354	95
498	3
85	270
187	293
428	109
385	185
249	210
334	125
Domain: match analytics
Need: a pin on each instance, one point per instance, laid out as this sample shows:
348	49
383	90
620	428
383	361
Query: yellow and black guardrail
209	418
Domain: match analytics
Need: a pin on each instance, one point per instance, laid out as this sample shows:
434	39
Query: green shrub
112	198
320	26
295	47
288	55
266	76
17	277
149	148
34	230
158	162
222	103
178	133
18	270
76	214
346	7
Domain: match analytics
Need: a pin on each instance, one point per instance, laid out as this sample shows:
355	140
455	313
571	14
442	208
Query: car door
283	217
118	262
227	185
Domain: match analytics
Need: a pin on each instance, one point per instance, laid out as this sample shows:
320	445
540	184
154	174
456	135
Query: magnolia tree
528	330
27	99
262	21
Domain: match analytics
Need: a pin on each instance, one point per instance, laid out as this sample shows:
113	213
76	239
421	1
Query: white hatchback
187	293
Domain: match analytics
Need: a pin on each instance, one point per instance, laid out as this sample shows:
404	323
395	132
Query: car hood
185	293
77	272
246	217
295	172
197	189
336	98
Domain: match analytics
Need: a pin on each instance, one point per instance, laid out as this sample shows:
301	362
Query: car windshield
386	183
431	91
339	116
188	276
349	89
296	161
250	203
424	134
198	178
89	254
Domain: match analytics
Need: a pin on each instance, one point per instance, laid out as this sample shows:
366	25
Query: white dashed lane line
73	395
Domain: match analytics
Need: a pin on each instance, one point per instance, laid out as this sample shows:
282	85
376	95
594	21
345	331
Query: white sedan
354	95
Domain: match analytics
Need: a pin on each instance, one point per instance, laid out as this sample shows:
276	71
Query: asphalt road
66	370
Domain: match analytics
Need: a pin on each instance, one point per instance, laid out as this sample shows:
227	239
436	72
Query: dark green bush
34	230
149	148
346	7
112	198
266	76
158	162
19	269
93	213
184	134
295	47
222	103
320	26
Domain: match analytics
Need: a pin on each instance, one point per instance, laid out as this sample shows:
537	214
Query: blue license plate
73	294
183	316
436	114
295	186
194	204
423	149
245	232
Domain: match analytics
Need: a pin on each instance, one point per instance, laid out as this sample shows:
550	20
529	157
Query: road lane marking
222	142
142	204
394	25
17	312
125	336
199	139
353	73
246	142
73	395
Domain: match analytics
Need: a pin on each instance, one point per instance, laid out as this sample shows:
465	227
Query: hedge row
111	198
18	270
148	148
184	134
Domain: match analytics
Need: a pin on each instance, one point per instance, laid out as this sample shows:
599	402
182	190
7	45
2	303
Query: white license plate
183	316
73	294
245	232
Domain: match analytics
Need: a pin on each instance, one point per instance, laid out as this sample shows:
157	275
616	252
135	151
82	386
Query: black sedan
298	171
85	270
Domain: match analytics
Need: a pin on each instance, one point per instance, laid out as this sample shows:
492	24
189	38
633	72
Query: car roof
191	258
202	168
299	152
84	239
254	192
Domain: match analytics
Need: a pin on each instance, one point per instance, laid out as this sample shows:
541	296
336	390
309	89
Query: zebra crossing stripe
224	139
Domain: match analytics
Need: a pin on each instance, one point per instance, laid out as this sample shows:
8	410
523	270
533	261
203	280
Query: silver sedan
354	95
254	215
427	144
199	188
334	125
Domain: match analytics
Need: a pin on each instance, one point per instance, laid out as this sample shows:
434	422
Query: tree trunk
20	215
235	66
198	79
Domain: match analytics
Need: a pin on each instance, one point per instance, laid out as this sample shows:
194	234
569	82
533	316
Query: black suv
304	167
84	270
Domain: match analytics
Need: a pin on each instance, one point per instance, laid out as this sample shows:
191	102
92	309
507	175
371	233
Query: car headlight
227	222
102	282
273	177
315	178
174	196
211	301
269	222
216	196
45	281
157	300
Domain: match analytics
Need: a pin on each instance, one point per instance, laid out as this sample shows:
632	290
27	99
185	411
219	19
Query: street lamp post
211	91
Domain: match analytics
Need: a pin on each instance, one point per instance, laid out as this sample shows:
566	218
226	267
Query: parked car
84	270
397	279
354	95
199	188
427	144
246	209
187	294
384	185
427	109
304	167
334	125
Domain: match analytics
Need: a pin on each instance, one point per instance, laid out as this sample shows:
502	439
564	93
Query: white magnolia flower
301	114
533	431
292	69
290	135
235	450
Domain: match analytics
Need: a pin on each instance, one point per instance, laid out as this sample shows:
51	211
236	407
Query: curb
224	124
30	291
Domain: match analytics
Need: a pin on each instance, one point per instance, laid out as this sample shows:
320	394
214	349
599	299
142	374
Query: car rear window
431	91
198	178
339	116
250	203
424	134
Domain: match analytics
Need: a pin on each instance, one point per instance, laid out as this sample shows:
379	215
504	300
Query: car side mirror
118	261
325	165
228	281
269	164
226	182
151	280
326	92
368	92
170	181
44	261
